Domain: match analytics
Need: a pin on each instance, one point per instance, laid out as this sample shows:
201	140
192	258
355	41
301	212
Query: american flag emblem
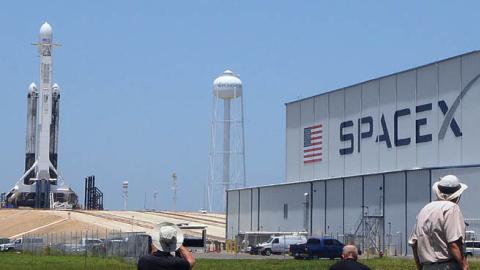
312	144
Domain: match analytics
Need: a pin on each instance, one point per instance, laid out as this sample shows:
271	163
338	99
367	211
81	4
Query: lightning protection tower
227	147
125	194
174	189
155	196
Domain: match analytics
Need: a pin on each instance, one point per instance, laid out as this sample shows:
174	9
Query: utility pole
306	214
155	195
174	189
145	201
125	194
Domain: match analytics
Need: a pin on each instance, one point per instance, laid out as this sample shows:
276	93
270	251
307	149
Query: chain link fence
368	245
127	245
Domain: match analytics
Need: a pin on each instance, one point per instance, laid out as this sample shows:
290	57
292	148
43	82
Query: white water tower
227	147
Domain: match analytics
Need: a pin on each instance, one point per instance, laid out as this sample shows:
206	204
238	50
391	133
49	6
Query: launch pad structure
42	186
93	195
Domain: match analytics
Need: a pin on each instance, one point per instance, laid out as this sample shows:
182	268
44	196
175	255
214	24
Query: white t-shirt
438	223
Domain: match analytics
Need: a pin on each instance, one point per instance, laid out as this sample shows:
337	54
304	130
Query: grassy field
389	264
11	261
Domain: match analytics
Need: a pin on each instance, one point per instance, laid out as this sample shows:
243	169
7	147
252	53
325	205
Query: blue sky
136	78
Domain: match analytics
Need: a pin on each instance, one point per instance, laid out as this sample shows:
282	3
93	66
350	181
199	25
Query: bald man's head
350	252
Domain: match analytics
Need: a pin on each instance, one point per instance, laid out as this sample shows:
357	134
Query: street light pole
401	242
306	196
174	189
155	195
389	237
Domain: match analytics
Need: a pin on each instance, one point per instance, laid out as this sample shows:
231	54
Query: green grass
390	264
12	261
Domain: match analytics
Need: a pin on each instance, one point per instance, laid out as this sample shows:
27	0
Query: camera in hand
193	242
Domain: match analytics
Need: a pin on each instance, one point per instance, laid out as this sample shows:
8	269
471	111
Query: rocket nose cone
46	29
32	87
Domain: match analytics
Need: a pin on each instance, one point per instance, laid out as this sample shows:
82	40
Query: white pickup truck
6	246
21	244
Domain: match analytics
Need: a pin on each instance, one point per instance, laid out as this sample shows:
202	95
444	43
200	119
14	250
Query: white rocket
47	101
40	179
45	104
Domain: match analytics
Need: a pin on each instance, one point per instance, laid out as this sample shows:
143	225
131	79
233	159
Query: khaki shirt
438	223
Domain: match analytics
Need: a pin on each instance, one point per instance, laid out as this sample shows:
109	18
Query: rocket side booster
54	127
31	139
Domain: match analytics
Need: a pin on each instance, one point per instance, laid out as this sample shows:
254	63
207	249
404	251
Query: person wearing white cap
167	240
438	236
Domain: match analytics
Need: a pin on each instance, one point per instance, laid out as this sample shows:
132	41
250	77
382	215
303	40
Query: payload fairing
42	186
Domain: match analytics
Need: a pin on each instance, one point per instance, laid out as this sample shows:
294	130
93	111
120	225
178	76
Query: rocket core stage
40	187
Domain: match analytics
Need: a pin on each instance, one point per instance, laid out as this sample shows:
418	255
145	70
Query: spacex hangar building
361	160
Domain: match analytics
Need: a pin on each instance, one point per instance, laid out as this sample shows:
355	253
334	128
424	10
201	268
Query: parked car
472	248
317	247
277	244
84	244
21	244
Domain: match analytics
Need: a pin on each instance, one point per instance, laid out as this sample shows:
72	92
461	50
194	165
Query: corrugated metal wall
336	206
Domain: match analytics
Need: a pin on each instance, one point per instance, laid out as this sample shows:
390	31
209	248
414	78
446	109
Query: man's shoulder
440	206
349	265
163	262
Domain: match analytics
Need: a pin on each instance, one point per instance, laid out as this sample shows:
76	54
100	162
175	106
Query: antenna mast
174	189
125	194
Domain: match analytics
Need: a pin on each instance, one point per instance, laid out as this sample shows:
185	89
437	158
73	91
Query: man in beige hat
438	236
167	250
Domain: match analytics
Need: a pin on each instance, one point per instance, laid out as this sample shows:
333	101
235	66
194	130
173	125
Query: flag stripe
312	149
312	160
312	155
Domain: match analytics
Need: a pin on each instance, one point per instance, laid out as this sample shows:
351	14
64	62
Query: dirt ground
14	222
71	227
17	221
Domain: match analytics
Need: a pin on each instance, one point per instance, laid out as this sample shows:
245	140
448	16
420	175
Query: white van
472	248
278	244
